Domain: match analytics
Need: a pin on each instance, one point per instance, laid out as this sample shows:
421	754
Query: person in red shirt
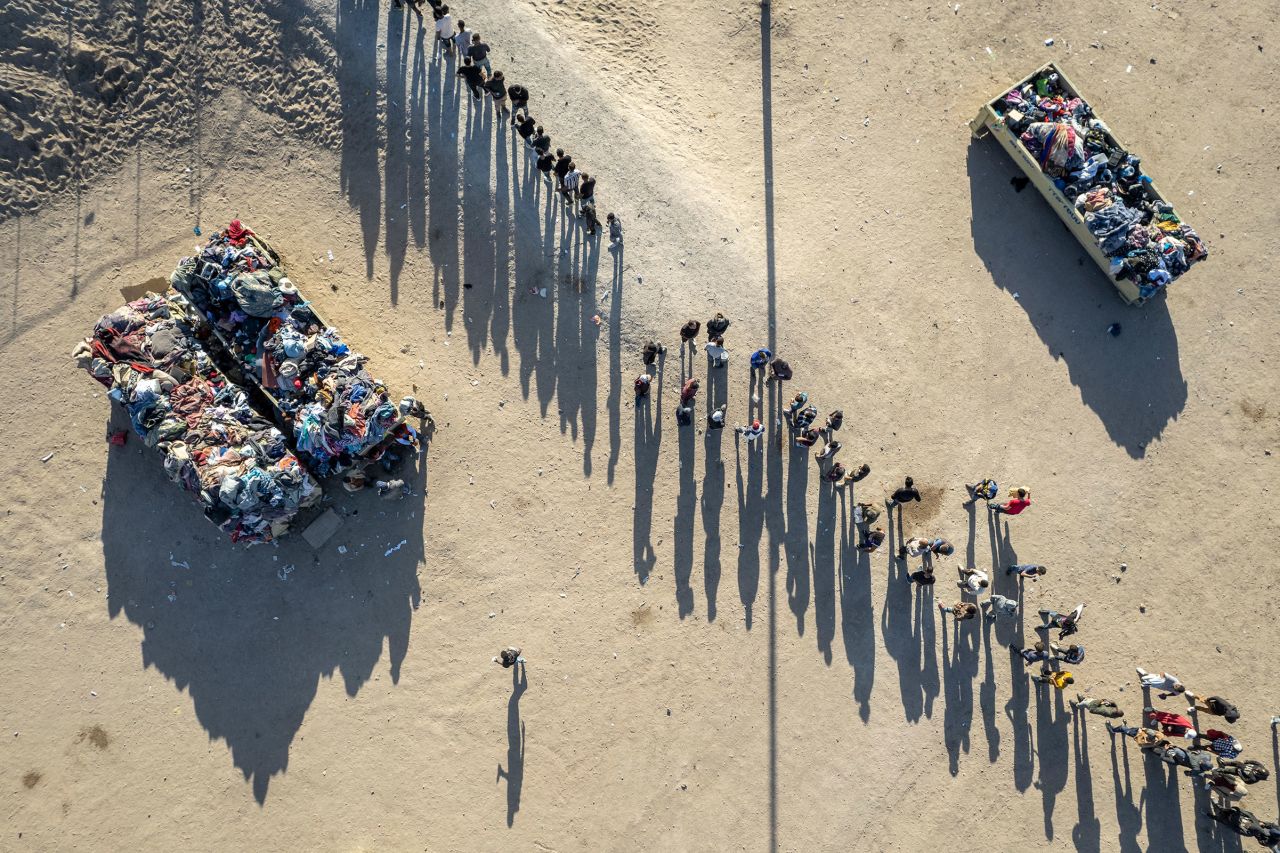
1019	499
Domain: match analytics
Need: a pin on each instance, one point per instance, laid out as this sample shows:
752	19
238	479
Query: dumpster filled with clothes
236	463
1096	185
336	414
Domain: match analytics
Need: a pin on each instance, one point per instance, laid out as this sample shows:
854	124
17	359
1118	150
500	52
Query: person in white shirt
716	353
973	581
1164	681
444	30
1000	605
569	185
752	432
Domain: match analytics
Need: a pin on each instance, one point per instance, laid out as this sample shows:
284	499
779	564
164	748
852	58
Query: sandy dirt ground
712	665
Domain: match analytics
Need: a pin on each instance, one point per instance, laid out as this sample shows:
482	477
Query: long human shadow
249	634
686	507
1052	750
857	613
824	570
958	670
1128	813
750	522
514	772
1072	308
648	441
478	232
1160	802
443	109
1087	833
577	333
613	401
397	161
1012	632
356	74
796	542
908	629
713	485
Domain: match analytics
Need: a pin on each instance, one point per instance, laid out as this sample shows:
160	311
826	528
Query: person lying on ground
1000	605
1222	743
1066	623
1145	738
1028	571
1171	724
1072	654
1101	707
1031	654
1251	771
872	540
1058	679
961	610
1213	705
1168	684
985	489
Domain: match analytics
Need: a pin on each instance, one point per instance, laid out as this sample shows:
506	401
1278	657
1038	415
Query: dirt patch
1255	412
929	506
31	778
96	735
643	615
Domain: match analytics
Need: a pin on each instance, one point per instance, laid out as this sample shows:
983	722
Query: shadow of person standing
1087	833
515	743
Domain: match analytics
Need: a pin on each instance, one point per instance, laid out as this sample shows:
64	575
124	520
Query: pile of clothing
215	445
337	414
1142	235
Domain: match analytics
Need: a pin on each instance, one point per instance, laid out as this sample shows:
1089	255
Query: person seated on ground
973	581
942	548
1222	743
354	480
717	326
872	540
1066	623
1101	707
1072	654
1018	501
1238	820
1029	571
985	489
1031	654
1229	787
1171	724
1058	679
1213	705
1251	771
864	513
961	610
391	490
859	474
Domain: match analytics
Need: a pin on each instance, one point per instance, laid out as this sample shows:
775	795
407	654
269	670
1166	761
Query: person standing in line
914	547
509	657
650	352
1101	707
444	29
830	450
715	419
1066	623
1026	571
615	230
806	437
586	192
545	163
563	164
497	87
569	186
717	326
751	433
717	355
985	489
519	101
689	391
908	492
1000	605
760	358
478	52
688	332
942	548
834	421
779	370
1019	499
462	39
855	475
526	127
642	386
924	576
472	76
588	214
834	474
541	142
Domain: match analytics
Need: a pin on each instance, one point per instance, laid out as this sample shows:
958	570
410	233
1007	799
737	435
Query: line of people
577	189
1211	757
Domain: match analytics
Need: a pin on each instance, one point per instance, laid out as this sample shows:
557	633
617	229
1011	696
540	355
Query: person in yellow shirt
1059	679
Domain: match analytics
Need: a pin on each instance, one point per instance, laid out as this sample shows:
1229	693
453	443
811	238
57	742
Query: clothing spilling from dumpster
215	445
1140	233
334	410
